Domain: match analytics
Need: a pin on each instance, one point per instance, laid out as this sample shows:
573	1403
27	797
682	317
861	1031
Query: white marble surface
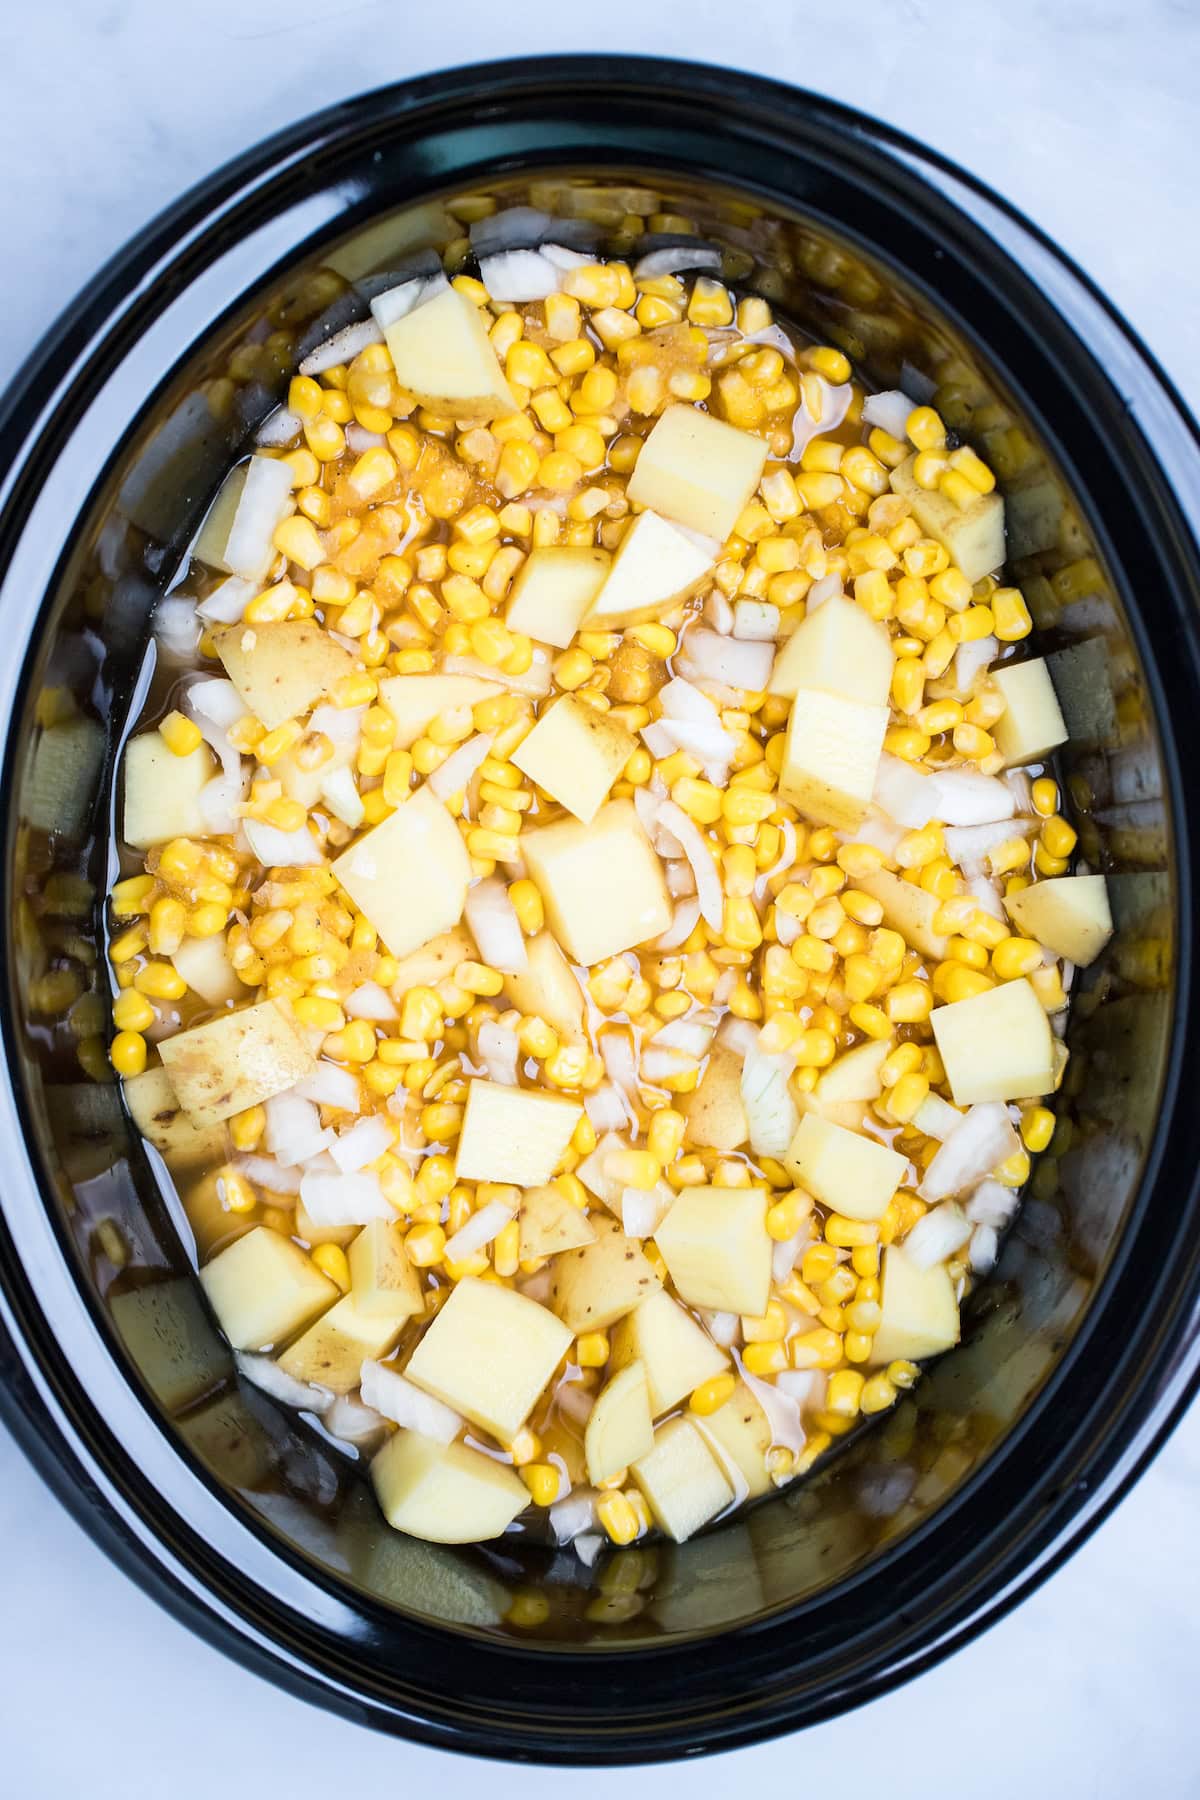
1081	112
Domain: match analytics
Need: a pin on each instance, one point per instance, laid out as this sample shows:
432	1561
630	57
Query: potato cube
331	1353
205	966
715	1113
264	1290
446	1493
920	1312
1031	724
410	874
415	701
714	1242
831	757
489	1353
550	1223
851	1174
697	470
740	1435
444	358
235	1061
281	670
548	988
163	1122
513	1134
435	961
383	1281
595	1286
676	1353
655	566
839	649
575	753
553	589
683	1483
162	791
1069	915
997	1045
855	1074
171	1341
602	884
972	536
619	1427
907	909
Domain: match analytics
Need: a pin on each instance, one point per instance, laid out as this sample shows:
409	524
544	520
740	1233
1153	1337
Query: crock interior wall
893	1477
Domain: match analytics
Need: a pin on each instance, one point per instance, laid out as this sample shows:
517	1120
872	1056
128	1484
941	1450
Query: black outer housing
1123	439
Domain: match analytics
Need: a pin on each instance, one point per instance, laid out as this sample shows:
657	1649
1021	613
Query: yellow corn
181	735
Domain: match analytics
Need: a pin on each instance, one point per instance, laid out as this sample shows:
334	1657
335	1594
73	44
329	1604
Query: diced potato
446	1493
740	1434
553	589
162	791
997	1045
715	1113
548	987
1069	915
920	1312
714	1242
415	701
655	566
683	1483
170	1340
235	1061
205	966
697	470
281	670
851	1114
550	1223
382	1279
831	757
410	874
676	1353
855	1074
907	909
575	753
1032	723
513	1134
596	1286
839	649
489	1353
264	1289
158	1115
852	1175
331	1353
972	536
602	884
619	1427
444	359
435	961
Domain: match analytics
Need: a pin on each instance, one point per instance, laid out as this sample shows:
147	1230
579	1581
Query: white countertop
1082	114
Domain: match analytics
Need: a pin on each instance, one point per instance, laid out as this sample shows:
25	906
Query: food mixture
598	928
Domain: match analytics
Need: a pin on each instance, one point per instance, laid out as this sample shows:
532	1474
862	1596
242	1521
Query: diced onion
875	829
266	1374
937	1118
216	700
736	664
718	612
265	501
681	883
361	1144
517	275
370	1001
692	1034
722	1327
217	800
278	428
890	410
616	1049
605	1109
663	1065
695	847
397	302
755	621
968	797
478	1231
358	438
670	259
352	1422
265	1171
277	849
643	1209
564	258
829	587
330	1085
340	724
576	1514
495	927
399	1400
805	1386
983	1248
341	796
783	1413
333	1200
682	926
511	229
904	794
294	1131
534	683
971	658
785	1254
771	1113
986	894
343	347
982	1139
968	845
835	404
992	1204
226	604
175	627
938	1235
499	1051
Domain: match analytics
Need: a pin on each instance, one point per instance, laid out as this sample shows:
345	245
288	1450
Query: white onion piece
805	1386
510	229
722	1327
370	1001
968	845
404	1404
692	1034
992	1204
643	1209
277	849
982	1140
785	860
755	621
217	800
499	1051
576	1514
351	1422
785	1253
971	658
279	428
343	347
682	926
330	1085
534	683
266	1374
983	1248
216	700
265	501
783	1413
663	1064
695	847
215	732
680	700
647	807
518	275
1020	787
718	612
829	587
968	797
890	410
875	829
605	1109
671	258
479	1231
340	724
904	794
588	1545
711	745
616	1049
265	1171
986	894
725	659
334	1200
835	404
937	1118
938	1235
495	927
361	1144
788	928
227	602
658	739
358	438
397	302
681	883
341	796
294	1130
175	627
561	256
771	1114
